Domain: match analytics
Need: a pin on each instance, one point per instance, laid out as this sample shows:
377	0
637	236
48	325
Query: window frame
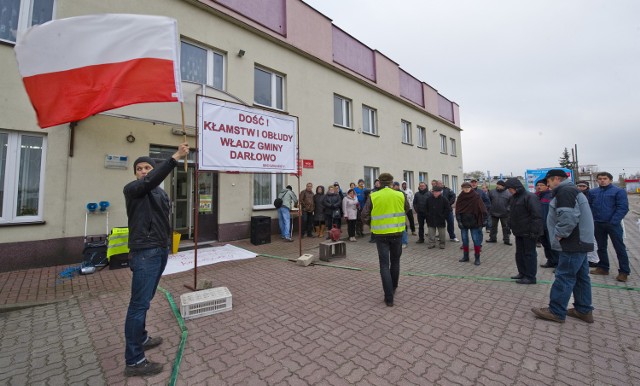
275	77
445	180
406	132
276	184
454	149
372	115
346	104
422	137
423	177
454	184
11	171
371	173
25	17
443	144
211	67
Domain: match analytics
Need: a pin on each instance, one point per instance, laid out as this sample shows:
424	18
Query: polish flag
77	67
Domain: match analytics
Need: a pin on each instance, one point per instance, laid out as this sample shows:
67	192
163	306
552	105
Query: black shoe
464	259
420	242
507	243
492	241
143	369
389	304
547	265
592	264
372	240
525	281
152	342
518	276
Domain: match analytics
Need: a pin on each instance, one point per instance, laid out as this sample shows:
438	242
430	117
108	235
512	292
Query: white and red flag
76	67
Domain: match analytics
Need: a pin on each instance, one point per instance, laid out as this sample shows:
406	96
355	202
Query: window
18	15
422	137
201	65
423	177
406	132
454	184
445	180
443	144
268	89
369	120
266	188
408	177
341	111
22	158
453	147
370	175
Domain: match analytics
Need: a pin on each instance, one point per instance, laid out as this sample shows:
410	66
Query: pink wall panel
352	54
445	108
411	88
271	14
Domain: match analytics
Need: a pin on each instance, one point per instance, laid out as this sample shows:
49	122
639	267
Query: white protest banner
235	137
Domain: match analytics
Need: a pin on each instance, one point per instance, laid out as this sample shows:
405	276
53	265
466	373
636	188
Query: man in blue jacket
570	227
148	212
609	205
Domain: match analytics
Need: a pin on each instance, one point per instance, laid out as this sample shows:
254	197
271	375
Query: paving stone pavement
452	324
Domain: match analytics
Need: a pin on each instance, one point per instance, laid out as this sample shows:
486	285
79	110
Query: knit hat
583	183
148	160
513	183
556	173
396	183
500	182
385	179
542	181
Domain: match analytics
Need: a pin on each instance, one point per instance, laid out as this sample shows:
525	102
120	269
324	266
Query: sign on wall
235	137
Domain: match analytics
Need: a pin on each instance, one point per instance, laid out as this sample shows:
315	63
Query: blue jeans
572	276
476	236
526	257
604	229
284	221
389	252
405	237
147	266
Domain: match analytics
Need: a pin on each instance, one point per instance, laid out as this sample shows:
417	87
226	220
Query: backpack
278	202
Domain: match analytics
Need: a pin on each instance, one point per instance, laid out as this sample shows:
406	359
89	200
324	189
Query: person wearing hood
471	214
525	220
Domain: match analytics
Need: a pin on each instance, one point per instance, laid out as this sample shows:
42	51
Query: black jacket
525	215
330	202
420	201
437	211
148	209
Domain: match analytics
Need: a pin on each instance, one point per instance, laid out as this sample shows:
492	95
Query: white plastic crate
205	302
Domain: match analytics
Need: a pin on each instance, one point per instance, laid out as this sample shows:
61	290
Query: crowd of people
566	220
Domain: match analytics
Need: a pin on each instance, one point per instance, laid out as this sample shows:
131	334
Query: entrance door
182	197
208	210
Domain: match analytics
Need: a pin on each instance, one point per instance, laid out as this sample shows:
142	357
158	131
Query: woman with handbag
471	215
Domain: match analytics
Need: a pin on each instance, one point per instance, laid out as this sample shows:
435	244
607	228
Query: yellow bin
176	242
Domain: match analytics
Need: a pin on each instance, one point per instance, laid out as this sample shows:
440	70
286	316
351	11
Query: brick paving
452	323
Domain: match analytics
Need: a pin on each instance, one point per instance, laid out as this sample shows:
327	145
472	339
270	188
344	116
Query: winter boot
477	255
465	256
317	230
321	233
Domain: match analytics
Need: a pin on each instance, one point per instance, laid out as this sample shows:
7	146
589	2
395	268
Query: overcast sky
531	77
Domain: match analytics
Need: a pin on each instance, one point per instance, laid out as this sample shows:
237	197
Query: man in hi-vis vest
385	212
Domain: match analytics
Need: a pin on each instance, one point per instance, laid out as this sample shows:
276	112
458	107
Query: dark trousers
412	223
526	257
551	255
359	223
450	228
493	234
421	220
307	223
389	252
351	228
602	230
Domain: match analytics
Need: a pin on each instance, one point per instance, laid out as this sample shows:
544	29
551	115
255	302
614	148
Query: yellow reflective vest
387	212
118	242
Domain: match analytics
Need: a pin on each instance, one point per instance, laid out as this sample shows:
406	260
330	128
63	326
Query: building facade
359	114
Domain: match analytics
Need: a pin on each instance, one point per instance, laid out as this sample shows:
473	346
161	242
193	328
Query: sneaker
588	317
152	342
599	271
404	245
622	277
545	313
143	369
455	240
